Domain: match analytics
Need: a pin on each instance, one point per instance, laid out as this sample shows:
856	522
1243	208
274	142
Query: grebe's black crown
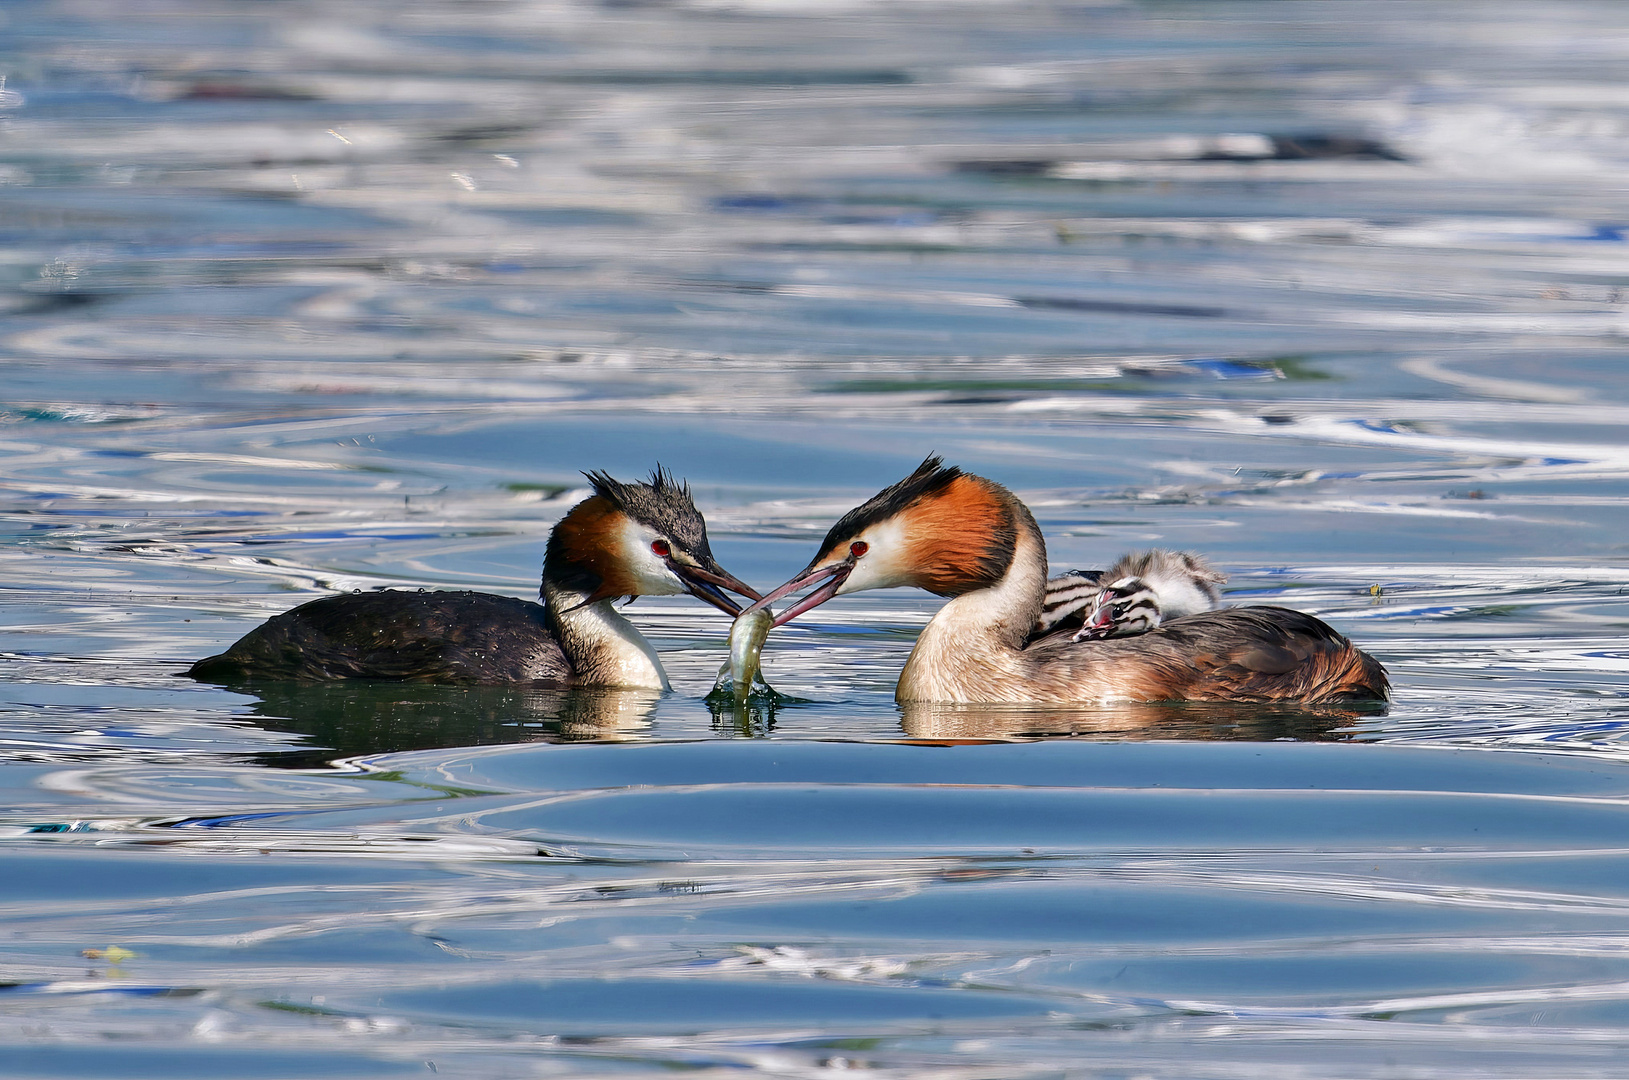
930	476
663	503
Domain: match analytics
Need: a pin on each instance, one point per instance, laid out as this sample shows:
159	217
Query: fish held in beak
740	676
747	637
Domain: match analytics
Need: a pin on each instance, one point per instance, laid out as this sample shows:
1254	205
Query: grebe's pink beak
833	574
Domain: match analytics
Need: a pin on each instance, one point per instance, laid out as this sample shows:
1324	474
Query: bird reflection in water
750	719
351	719
1133	720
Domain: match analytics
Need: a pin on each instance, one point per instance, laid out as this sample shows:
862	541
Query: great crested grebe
637	539
969	539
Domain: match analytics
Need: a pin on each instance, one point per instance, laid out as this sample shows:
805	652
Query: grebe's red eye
858	548
661	548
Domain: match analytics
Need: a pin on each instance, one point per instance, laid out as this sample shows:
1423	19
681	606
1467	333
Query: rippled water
304	297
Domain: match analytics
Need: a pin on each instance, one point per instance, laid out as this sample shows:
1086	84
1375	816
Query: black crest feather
930	476
663	502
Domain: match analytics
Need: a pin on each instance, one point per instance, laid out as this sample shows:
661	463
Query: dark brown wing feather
1234	654
436	637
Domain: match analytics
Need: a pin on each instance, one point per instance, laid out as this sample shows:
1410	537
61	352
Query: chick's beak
708	582
833	574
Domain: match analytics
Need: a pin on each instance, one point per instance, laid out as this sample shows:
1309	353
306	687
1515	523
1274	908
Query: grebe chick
971	540
636	539
1133	596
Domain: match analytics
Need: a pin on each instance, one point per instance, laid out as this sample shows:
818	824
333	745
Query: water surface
299	298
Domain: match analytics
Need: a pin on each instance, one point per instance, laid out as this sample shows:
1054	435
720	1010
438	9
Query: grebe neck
604	648
981	634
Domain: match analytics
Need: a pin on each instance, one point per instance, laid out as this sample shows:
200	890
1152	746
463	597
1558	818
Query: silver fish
747	636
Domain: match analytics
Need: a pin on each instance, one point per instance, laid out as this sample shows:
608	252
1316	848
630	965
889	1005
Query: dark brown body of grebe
632	539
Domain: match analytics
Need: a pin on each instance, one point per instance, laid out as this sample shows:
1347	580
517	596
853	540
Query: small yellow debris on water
747	636
113	954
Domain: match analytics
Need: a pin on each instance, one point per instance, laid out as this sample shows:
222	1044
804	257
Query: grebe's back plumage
626	539
1229	654
400	636
970	540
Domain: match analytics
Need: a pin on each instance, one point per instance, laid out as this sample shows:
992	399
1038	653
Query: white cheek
649	571
881	567
871	572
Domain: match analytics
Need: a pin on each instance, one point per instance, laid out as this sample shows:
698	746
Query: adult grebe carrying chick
634	539
997	640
